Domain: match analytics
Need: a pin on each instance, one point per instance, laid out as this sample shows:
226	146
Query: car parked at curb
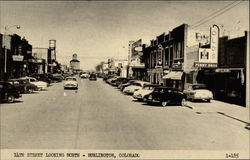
40	84
166	96
8	92
70	83
198	92
41	77
125	84
141	93
135	86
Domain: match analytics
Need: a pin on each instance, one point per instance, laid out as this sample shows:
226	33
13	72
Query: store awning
173	75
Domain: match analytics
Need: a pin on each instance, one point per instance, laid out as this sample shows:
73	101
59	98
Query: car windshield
33	80
148	87
71	79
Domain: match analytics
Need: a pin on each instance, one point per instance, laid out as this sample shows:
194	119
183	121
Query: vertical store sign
159	55
210	55
214	41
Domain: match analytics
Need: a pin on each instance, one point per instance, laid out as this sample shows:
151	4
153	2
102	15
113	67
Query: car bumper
70	86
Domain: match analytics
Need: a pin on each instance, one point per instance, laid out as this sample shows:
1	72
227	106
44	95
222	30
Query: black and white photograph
153	79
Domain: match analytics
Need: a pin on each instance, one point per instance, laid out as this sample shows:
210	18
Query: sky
97	30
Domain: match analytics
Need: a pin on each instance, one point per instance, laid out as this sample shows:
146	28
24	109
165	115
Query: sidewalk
234	111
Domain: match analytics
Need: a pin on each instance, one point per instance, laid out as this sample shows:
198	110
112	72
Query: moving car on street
135	86
8	92
141	93
166	96
92	77
40	84
198	92
84	75
70	83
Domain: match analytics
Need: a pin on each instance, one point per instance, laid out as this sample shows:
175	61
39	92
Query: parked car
92	77
141	93
106	77
70	83
111	80
166	96
119	80
19	86
55	77
125	84
8	92
40	84
135	86
42	77
198	92
29	86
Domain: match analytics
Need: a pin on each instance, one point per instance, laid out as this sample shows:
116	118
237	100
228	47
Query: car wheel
164	103
208	100
183	102
10	99
144	99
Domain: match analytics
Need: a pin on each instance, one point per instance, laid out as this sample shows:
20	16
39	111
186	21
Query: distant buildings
74	64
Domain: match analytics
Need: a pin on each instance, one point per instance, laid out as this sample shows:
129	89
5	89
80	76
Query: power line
215	14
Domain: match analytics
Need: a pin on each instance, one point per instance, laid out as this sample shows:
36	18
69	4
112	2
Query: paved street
98	116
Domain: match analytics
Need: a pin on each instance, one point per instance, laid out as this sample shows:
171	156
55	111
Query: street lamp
5	50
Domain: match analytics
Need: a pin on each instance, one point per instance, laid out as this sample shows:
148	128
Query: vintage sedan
21	87
70	83
40	84
198	92
84	75
92	77
8	92
141	93
166	96
134	87
125	84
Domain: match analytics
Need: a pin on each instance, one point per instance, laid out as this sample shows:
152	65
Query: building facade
16	55
136	66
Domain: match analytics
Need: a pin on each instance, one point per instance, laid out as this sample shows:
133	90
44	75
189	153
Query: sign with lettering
17	58
222	70
159	55
210	55
205	65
